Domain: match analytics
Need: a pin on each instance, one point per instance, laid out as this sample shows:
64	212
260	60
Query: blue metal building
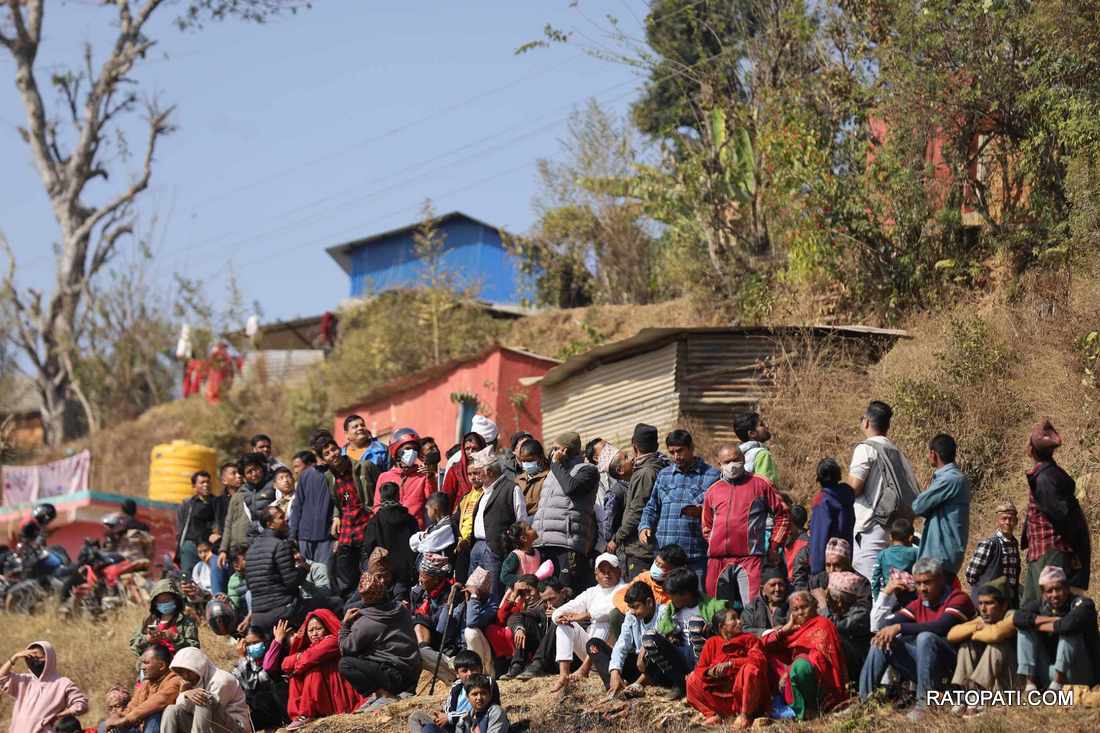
472	251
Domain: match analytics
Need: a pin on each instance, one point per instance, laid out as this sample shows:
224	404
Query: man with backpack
885	486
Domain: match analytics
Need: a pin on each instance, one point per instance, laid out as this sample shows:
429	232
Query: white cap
484	457
484	427
608	558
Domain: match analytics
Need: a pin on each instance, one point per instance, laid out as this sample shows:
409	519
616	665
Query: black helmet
44	514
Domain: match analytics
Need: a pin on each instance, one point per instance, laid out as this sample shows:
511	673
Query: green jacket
666	623
366	476
184	632
235	589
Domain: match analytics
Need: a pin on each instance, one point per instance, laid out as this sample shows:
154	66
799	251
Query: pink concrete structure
80	516
442	400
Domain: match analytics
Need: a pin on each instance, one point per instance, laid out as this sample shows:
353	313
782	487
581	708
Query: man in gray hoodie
377	643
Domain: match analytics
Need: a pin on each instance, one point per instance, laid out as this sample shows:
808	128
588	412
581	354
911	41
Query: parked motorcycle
30	575
105	581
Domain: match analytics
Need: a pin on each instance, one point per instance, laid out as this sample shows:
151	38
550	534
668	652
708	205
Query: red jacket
316	687
735	517
415	490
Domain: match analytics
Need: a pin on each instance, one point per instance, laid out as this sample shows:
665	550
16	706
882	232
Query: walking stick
443	640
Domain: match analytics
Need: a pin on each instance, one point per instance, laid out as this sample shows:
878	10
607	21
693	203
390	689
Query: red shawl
818	643
741	650
316	687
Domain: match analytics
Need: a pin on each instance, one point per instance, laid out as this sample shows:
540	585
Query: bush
967	395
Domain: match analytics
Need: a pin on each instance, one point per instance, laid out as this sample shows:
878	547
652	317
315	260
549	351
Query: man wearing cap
998	557
592	607
1057	641
1055	529
638	555
501	505
428	603
566	516
769	609
674	512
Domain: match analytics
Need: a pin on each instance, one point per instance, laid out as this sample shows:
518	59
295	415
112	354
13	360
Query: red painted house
441	401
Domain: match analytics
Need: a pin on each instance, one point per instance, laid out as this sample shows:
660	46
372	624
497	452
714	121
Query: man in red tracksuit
735	513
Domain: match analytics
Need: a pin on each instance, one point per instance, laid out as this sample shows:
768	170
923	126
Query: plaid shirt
1000	549
1041	536
353	516
675	490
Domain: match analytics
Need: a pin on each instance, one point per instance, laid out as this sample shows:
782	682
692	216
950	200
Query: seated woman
846	605
264	691
167	623
731	677
806	656
316	688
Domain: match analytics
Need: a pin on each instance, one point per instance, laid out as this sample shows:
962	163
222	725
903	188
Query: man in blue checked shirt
676	505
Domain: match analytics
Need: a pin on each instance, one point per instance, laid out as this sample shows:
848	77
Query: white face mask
409	456
733	470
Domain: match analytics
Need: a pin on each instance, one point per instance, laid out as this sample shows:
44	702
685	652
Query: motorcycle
30	575
106	581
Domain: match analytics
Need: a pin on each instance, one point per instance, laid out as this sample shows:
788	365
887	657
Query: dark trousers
368	676
664	663
636	565
316	550
535	628
600	654
572	568
346	566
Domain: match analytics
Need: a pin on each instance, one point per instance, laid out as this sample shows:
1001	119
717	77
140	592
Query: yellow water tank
171	466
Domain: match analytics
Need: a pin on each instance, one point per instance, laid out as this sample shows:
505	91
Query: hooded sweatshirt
180	630
220	684
41	698
415	488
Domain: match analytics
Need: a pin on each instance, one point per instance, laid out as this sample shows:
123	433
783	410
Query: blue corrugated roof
342	252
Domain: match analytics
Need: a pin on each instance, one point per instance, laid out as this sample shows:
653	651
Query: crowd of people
359	570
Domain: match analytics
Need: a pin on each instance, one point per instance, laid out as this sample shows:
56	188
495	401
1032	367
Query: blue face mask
256	651
531	467
656	572
167	608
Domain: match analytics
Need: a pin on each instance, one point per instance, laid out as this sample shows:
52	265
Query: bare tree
73	143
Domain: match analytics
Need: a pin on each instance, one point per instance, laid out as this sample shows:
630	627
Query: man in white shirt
866	477
501	505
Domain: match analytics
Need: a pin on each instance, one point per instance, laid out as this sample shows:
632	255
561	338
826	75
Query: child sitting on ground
522	557
900	555
467	665
486	714
265	693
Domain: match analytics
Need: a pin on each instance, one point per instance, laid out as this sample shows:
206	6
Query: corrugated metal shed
669	377
285	367
607	400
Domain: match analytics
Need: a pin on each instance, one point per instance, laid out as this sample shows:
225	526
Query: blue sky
330	125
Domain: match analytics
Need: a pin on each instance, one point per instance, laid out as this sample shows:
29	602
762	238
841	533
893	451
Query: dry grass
95	655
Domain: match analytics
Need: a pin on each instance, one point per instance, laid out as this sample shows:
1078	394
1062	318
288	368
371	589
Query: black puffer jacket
270	573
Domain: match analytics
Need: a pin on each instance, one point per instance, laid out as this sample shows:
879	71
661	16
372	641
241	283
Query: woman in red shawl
316	687
731	677
456	484
807	658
